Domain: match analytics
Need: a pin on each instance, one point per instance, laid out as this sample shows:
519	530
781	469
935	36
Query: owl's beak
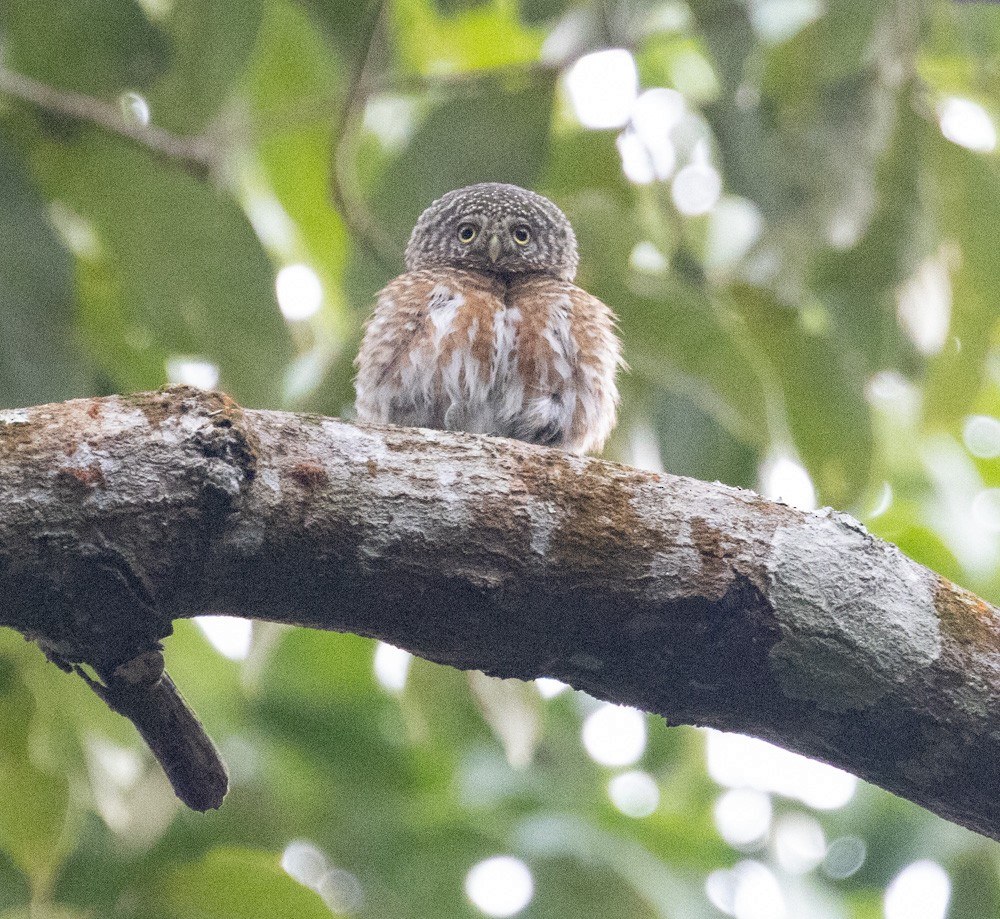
495	247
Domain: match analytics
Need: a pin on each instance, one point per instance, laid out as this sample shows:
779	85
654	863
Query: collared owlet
485	331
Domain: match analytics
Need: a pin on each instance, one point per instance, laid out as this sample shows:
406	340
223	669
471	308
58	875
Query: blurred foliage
834	308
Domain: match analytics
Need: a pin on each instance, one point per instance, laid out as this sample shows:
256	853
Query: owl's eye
467	233
521	234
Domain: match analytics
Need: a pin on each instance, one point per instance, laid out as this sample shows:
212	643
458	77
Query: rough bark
702	603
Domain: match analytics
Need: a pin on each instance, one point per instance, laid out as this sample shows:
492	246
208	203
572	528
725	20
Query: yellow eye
521	234
466	233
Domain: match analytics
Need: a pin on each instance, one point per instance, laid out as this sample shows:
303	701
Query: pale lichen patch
356	442
857	617
271	479
122	420
673	572
545	520
846	519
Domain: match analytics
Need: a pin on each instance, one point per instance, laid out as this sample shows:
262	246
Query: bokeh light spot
615	735
923	306
748	891
634	793
636	161
757	894
696	188
648	259
392	666
799	843
920	891
603	87
229	635
734	226
548	688
986	509
192	371
340	890
967	124
271	222
299	291
134	109
783	479
845	856
391	119
304	862
737	761
981	434
694	76
743	816
500	886
655	114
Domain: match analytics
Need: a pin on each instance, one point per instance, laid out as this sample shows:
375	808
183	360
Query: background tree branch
702	603
198	152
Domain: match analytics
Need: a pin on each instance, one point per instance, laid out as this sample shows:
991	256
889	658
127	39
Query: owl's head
495	228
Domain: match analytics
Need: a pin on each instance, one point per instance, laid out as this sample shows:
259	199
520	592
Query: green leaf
489	35
44	911
100	47
969	212
729	35
34	807
498	132
824	401
212	42
450	7
175	270
653	880
834	47
535	12
693	443
682	343
322	669
292	69
903	526
233	883
976	885
345	23
859	285
40	357
33	819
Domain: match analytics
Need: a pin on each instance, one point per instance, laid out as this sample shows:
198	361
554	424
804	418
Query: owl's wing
427	351
568	356
399	317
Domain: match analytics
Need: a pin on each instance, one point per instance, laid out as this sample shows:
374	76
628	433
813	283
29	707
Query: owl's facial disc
508	244
493	243
496	229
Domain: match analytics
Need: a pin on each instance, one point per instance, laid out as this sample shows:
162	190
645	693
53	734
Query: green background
121	257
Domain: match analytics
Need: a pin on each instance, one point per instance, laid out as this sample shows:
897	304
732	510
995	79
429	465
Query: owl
486	332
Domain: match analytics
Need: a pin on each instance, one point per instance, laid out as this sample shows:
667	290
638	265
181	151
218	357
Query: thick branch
703	603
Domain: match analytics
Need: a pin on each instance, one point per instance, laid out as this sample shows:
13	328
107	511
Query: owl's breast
461	350
434	350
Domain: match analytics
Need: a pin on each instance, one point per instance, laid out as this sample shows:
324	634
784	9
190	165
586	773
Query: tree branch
197	151
702	603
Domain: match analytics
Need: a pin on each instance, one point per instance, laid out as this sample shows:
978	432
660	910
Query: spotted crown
497	229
